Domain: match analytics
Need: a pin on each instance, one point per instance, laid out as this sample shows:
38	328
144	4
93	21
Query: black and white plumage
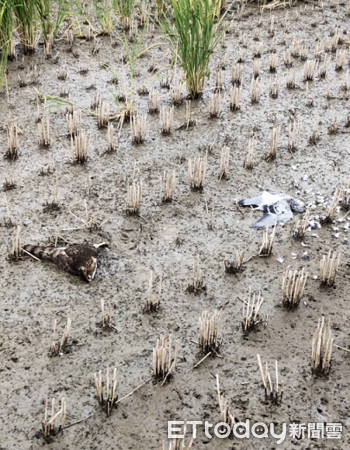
78	260
277	208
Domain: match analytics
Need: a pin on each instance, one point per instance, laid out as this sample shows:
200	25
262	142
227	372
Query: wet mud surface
166	239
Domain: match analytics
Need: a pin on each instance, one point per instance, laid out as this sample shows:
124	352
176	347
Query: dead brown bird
78	259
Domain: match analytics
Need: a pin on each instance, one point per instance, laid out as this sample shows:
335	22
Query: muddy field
167	238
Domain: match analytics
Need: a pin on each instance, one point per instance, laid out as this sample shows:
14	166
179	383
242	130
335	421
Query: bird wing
265	198
278	212
253	201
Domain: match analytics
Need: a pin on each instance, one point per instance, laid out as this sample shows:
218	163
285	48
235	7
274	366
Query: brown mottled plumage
75	259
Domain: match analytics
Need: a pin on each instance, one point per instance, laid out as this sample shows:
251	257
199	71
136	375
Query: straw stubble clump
59	347
167	183
235	265
107	397
208	334
80	146
273	388
322	344
134	198
293	286
164	358
251	315
153	302
55	424
196	172
12	141
329	266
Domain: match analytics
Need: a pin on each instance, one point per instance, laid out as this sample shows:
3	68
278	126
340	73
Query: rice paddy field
115	130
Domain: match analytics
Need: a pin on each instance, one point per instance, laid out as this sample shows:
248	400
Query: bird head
88	270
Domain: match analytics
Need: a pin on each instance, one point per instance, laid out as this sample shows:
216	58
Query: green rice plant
27	23
193	35
51	15
161	6
105	11
133	51
6	28
125	10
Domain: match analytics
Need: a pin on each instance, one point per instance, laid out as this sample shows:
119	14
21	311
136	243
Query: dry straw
340	58
197	283
322	344
196	172
210	217
190	121
96	101
272	153
15	252
167	183
255	90
12	141
273	62
215	105
267	242
310	68
235	265
293	136
53	204
54	425
44	130
164	359
152	304
9	184
166	119
134	198
273	388
138	124
106	322
153	101
224	168
301	226
89	222
235	98
177	92
80	146
329	268
287	58
259	48
103	114
251	315
236	74
291	79
315	134
219	77
334	126
256	68
73	122
325	67
331	208
250	156
110	138
274	86
57	348
108	399
293	285
62	74
225	411
208	334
